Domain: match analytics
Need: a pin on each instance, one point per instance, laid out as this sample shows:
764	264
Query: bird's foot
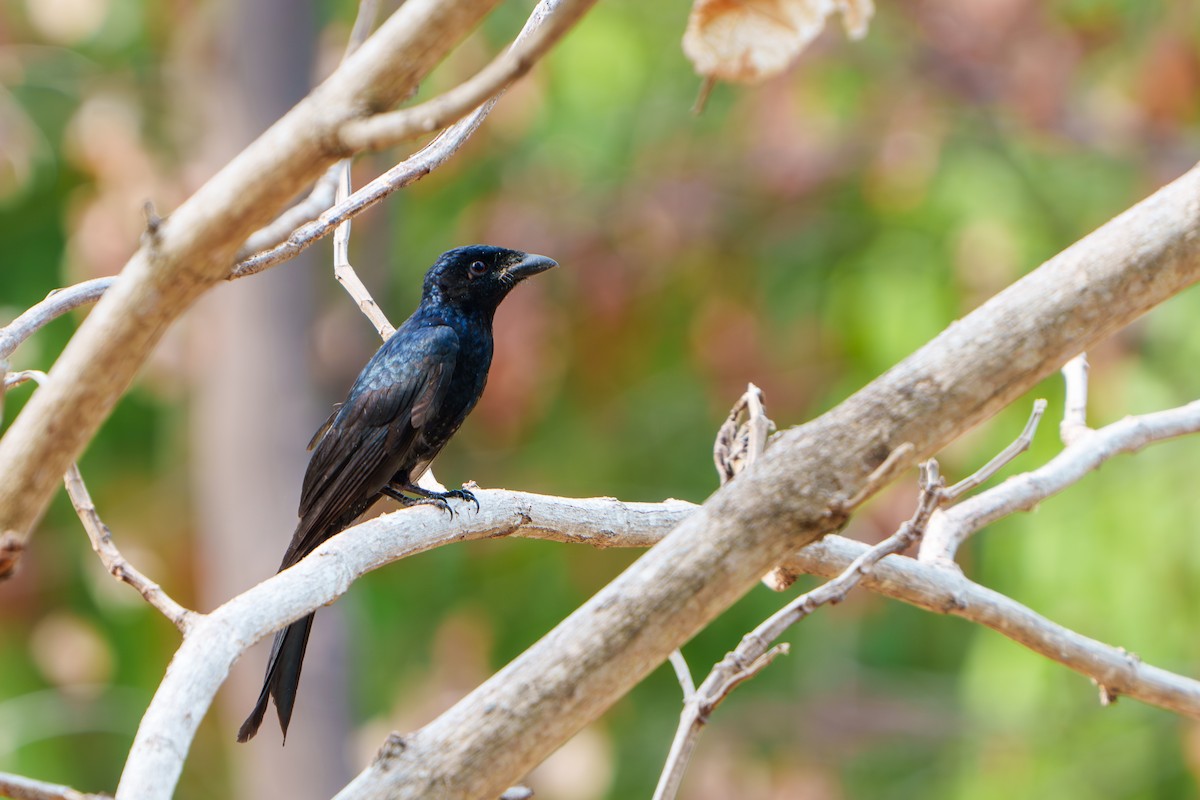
466	495
426	497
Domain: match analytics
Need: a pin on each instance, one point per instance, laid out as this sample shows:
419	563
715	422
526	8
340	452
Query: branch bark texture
792	496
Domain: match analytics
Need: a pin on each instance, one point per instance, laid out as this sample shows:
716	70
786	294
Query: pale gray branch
1018	446
756	650
57	303
948	592
412	169
384	130
214	641
317	201
344	272
953	526
1074	422
21	788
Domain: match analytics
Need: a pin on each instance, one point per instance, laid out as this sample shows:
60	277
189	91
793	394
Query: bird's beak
530	265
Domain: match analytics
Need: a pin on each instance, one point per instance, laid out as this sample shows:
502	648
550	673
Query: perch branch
215	640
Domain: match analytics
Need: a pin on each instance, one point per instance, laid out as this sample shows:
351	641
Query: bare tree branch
1018	446
19	788
216	640
100	535
403	174
385	130
945	591
318	200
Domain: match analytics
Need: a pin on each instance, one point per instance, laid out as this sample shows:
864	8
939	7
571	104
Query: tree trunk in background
255	409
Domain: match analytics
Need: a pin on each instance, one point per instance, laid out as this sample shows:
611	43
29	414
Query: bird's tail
282	679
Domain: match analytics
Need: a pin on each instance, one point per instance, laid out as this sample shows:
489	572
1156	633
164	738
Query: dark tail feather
282	679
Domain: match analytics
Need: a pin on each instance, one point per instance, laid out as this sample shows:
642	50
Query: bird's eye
477	268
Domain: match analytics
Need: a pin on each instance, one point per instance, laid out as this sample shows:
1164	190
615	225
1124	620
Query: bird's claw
466	495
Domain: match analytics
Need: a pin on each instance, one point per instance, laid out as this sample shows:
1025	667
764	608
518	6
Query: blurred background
804	235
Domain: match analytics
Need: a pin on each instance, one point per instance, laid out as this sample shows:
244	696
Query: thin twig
953	526
683	673
407	172
345	273
117	565
385	130
1074	422
319	199
18	787
100	535
1018	446
323	193
57	303
883	475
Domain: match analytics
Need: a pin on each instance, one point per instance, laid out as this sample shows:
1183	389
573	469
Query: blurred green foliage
804	235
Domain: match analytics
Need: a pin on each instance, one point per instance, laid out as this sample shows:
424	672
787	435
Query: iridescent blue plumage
407	402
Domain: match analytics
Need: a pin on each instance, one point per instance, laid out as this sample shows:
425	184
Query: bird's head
479	276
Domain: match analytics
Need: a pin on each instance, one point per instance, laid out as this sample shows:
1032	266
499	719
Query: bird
407	402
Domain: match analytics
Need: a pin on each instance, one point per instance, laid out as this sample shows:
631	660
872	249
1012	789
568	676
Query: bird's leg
439	499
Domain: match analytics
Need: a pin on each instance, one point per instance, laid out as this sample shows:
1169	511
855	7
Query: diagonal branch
116	564
406	172
385	130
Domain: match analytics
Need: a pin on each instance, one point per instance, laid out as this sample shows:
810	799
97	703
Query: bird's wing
369	437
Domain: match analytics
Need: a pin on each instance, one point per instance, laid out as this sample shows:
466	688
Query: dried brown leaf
748	41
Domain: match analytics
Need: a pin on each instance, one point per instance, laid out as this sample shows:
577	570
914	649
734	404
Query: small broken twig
742	438
1074	422
1018	446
